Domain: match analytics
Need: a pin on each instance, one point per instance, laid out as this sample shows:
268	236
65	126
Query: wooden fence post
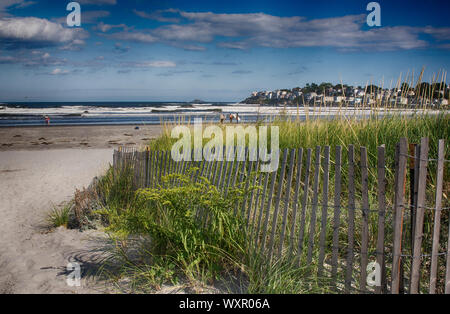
261	210
365	219
257	183
147	166
277	202
296	199
336	214
447	274
437	216
417	258
351	218
286	201
313	220
268	207
324	216
304	204
381	195
398	217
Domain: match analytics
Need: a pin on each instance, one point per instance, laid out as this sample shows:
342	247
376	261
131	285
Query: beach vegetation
59	216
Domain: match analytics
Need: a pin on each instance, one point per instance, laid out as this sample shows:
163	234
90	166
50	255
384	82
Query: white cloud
58	71
98	2
157	64
150	64
134	36
29	32
107	27
158	15
244	31
14	4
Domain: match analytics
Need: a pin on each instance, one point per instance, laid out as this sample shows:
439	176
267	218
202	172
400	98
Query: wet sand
60	137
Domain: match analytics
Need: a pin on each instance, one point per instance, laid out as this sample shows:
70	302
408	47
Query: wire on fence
418	158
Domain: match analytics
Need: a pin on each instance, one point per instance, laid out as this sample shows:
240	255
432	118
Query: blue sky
164	50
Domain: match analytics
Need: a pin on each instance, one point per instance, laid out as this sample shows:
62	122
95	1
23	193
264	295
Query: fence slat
238	165
304	204
268	207
219	178
381	195
286	200
247	186
324	216
225	169
217	167
261	209
230	176
241	179
418	236
298	178
257	182
148	168
351	218
313	220
336	212
365	220
277	202
157	168
398	220
437	216
165	165
252	195
447	274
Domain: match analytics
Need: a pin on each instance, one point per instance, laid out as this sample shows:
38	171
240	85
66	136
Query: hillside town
430	95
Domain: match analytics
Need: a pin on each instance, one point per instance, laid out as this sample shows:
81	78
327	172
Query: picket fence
334	213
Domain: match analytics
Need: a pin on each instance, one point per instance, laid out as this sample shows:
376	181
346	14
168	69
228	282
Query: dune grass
59	216
173	246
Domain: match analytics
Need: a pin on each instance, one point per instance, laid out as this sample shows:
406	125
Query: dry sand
38	138
33	260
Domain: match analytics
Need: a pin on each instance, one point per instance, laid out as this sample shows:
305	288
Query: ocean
122	113
151	113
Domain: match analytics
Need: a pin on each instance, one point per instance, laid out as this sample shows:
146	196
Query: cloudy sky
166	50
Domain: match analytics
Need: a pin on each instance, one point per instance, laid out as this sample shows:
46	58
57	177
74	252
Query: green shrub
192	226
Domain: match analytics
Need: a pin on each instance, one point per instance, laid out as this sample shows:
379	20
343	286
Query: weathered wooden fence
332	209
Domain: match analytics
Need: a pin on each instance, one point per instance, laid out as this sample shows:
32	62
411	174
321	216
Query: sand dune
32	260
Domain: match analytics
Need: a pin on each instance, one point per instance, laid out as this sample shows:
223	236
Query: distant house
310	96
339	99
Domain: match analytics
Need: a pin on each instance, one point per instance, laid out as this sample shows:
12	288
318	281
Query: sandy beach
58	137
33	259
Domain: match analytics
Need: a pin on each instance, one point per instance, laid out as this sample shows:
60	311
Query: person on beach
231	117
238	118
222	118
47	120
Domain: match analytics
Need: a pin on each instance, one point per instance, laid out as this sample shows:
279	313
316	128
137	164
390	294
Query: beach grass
59	216
173	247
